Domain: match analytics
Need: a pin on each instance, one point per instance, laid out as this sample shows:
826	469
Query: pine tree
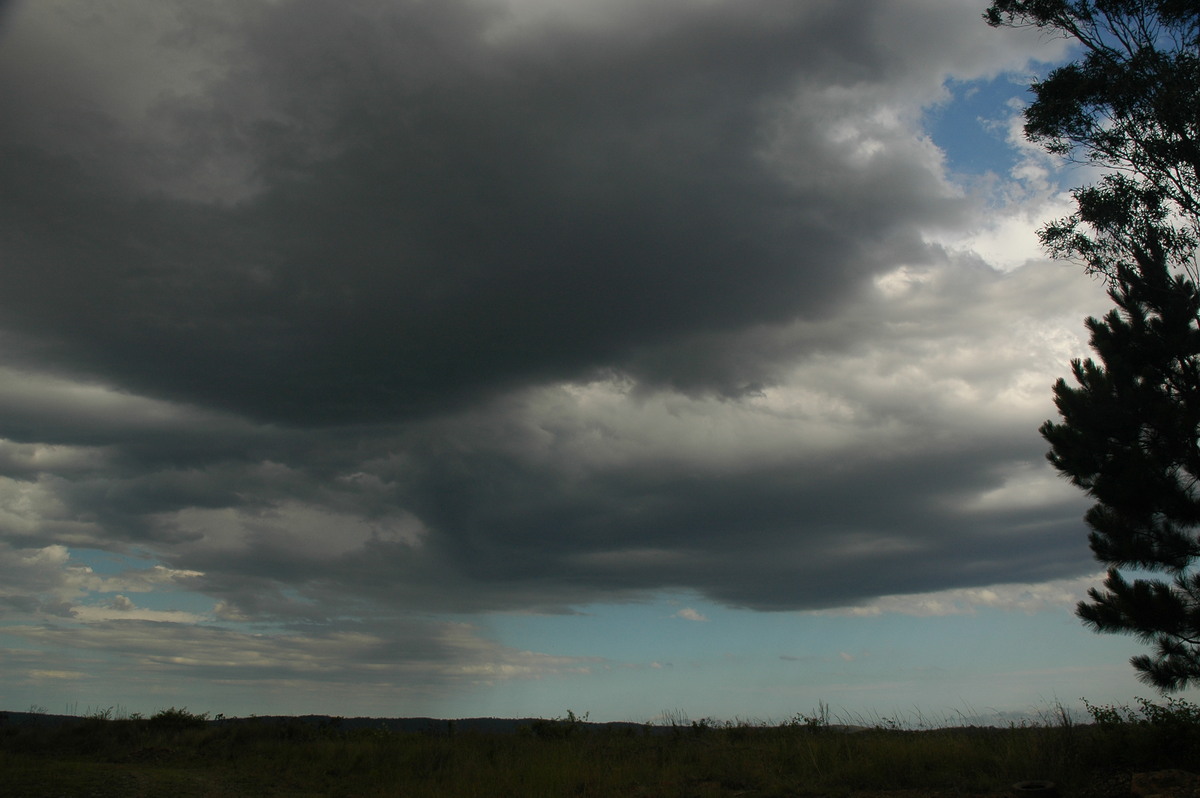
1129	437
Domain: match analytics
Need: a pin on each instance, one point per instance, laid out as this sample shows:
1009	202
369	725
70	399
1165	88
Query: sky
654	359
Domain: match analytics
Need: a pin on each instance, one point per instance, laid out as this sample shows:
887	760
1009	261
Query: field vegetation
179	753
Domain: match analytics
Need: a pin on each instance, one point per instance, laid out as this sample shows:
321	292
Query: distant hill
412	725
446	726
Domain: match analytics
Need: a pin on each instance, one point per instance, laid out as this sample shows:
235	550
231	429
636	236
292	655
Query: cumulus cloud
48	580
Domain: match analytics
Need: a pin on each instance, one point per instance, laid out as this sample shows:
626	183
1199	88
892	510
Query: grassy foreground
181	754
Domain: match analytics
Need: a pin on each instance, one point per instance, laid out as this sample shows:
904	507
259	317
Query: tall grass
182	754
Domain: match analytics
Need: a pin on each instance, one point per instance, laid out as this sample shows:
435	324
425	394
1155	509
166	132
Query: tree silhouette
1130	429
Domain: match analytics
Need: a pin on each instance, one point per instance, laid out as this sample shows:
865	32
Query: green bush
1150	736
175	719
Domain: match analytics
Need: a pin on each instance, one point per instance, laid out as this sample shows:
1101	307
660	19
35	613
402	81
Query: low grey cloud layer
349	310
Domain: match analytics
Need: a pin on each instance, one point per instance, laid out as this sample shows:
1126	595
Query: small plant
673	718
178	719
1108	716
817	721
559	728
888	724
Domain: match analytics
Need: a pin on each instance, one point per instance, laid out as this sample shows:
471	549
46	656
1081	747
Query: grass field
180	754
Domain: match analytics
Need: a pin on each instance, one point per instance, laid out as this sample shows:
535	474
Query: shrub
175	719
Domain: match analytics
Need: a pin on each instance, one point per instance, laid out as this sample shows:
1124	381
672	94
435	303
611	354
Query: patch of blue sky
971	127
665	630
173	601
109	563
632	632
774	665
164	596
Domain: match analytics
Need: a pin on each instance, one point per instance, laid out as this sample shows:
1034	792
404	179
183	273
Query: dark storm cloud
791	534
366	307
423	215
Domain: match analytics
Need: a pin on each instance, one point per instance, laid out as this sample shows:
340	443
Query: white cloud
433	656
1025	486
127	611
1026	598
689	614
56	675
